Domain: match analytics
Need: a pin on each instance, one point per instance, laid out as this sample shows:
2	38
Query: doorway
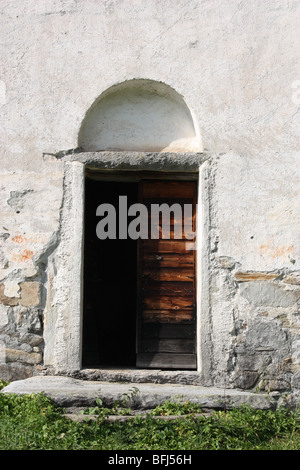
110	278
139	303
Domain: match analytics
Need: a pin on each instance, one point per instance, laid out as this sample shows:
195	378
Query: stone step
68	392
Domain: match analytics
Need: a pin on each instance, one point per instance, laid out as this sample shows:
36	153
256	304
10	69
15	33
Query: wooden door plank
168	260
168	274
168	331
167	361
168	201
160	302
171	232
167	189
174	345
164	246
168	316
167	288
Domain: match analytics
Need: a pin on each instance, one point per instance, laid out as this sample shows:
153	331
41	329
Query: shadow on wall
140	115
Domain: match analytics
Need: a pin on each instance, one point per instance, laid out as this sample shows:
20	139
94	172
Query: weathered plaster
235	66
258	213
233	63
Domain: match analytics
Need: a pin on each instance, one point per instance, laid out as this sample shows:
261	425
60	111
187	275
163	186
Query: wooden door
166	329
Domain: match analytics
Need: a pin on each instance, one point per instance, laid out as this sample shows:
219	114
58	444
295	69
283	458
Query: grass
33	422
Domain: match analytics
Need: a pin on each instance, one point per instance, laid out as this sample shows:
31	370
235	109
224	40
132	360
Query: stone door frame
63	313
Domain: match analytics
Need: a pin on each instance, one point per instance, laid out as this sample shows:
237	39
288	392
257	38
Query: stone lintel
139	161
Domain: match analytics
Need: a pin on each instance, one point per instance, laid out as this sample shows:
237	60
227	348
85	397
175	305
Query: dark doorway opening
110	283
139	307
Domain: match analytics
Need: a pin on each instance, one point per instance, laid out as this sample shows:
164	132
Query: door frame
63	347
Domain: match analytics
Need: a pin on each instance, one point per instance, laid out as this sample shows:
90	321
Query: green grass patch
33	422
173	408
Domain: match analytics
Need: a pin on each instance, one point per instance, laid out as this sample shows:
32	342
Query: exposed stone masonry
21	331
265	347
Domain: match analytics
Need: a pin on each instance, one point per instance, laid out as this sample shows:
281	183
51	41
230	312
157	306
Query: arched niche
140	115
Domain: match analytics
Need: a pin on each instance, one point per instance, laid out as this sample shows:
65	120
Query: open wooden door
166	327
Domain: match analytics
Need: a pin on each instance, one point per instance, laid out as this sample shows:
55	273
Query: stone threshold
68	392
134	375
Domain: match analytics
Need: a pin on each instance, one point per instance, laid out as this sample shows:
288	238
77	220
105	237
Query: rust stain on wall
24	256
19	239
30	239
274	250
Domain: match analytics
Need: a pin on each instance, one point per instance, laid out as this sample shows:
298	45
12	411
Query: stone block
31	339
246	379
296	381
5	300
292	279
30	294
267	294
278	385
3	316
253	361
25	347
17	355
29	320
254	276
265	336
226	262
12	289
3	260
10	372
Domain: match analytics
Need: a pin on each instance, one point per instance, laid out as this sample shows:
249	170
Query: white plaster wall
234	63
257	210
30	220
236	66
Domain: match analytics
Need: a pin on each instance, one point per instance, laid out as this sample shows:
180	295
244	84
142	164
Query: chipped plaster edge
203	323
63	325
